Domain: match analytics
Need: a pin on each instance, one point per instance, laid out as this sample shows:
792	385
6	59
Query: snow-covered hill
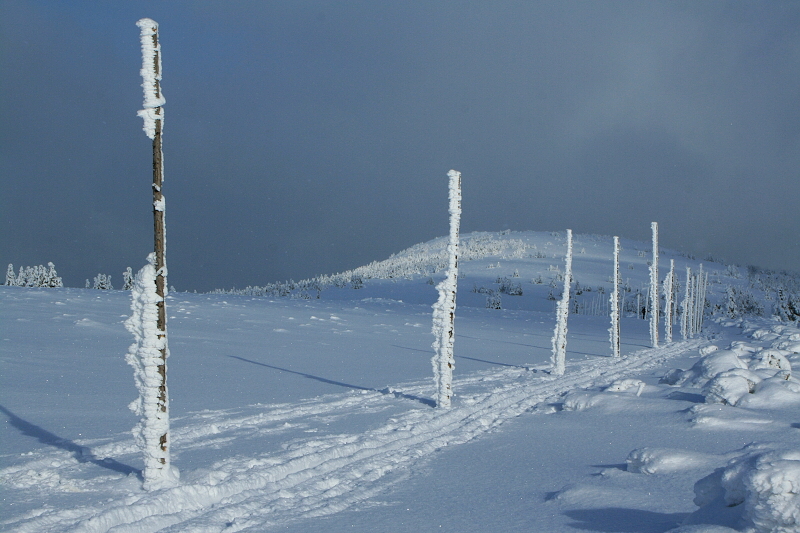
313	411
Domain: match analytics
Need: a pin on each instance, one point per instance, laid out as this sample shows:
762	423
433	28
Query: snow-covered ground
315	414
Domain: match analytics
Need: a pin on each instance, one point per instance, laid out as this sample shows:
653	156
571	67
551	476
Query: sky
312	137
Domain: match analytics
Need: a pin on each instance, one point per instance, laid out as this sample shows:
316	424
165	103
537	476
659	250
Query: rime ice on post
152	113
559	340
614	330
147	357
687	307
149	354
444	310
654	297
669	288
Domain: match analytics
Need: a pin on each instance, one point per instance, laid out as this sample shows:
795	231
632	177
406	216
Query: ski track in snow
309	477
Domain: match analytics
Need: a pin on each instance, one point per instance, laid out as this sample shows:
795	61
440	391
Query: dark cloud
312	137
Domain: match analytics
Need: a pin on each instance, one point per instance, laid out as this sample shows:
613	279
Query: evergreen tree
11	278
53	280
102	282
127	279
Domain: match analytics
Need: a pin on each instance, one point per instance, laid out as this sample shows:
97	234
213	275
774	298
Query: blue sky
311	137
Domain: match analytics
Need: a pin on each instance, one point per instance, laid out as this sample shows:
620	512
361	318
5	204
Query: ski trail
317	475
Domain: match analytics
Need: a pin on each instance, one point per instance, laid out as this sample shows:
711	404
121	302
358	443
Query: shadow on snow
387	390
619	520
81	454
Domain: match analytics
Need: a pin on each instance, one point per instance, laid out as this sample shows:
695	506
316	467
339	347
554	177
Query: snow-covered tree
11	278
654	293
102	282
53	278
35	276
148	357
559	340
614	330
669	283
127	279
444	310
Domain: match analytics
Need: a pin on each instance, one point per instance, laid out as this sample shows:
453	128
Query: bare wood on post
160	238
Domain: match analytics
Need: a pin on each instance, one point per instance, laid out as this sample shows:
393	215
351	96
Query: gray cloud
311	137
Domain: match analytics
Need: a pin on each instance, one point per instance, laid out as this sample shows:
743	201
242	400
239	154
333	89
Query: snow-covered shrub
732	271
787	305
742	376
741	302
663	460
730	386
493	300
511	288
758	491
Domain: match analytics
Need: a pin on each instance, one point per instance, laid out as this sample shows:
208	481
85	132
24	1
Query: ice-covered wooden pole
654	297
700	299
444	310
148	323
559	340
669	289
687	307
614	330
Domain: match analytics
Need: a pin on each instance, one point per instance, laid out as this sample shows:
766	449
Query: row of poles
157	444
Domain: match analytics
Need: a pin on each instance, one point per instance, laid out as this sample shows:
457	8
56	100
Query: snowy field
303	413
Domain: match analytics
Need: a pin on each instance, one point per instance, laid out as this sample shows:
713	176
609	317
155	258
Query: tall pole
654	298
444	310
559	340
614	331
153	115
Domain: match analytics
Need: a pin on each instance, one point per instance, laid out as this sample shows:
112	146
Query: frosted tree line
35	276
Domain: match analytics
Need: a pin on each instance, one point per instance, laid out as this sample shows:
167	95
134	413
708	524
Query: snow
147	355
304	415
151	77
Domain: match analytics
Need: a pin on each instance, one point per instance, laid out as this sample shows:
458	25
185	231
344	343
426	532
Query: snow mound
662	460
759	490
744	375
622	385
